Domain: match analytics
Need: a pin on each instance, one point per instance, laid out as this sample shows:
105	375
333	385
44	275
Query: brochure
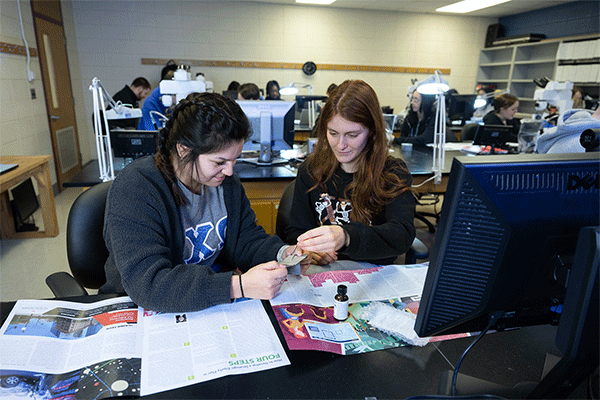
67	350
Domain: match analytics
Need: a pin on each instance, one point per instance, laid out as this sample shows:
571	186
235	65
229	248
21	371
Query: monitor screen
232	94
303	100
460	108
493	135
272	123
506	237
131	143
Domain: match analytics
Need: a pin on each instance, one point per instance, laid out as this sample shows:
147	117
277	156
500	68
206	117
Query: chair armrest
64	285
417	251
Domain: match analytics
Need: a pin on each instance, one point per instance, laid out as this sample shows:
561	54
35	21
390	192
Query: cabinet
264	199
514	67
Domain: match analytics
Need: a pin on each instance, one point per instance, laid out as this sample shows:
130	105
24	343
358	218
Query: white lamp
434	84
293	88
117	110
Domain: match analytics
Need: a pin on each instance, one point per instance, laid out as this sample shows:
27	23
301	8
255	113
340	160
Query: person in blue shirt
152	103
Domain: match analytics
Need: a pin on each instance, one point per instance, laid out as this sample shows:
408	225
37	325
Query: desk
264	185
38	168
505	358
419	163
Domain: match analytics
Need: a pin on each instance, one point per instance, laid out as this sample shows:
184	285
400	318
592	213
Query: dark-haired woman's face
273	92
211	168
415	101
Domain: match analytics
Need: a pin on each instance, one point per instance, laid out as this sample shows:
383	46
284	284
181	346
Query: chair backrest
86	250
468	131
284	210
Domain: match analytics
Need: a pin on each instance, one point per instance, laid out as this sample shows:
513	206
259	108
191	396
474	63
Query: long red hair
375	183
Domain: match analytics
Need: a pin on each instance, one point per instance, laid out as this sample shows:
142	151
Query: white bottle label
340	310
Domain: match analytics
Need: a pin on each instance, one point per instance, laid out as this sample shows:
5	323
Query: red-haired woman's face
508	113
347	140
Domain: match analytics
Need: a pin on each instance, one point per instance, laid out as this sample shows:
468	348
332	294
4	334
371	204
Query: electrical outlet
32	94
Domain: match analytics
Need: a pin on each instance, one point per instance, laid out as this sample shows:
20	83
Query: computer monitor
390	121
495	136
129	143
506	237
461	108
232	94
303	100
272	124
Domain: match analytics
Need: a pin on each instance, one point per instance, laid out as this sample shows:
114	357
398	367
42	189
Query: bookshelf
514	67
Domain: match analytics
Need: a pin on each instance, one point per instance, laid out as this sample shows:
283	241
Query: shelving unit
580	60
514	67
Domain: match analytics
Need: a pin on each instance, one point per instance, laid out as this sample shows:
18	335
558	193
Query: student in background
273	91
578	97
419	125
248	91
505	107
131	95
154	102
178	224
352	200
233	85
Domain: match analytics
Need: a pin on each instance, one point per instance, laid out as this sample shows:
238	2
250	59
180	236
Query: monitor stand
256	161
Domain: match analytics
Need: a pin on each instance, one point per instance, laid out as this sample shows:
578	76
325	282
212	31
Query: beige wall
24	126
107	39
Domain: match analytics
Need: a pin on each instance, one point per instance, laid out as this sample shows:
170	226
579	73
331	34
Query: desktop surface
505	358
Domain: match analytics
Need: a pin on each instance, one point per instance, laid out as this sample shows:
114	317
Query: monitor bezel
479	318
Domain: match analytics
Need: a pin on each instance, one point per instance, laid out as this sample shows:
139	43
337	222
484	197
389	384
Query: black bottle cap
342	290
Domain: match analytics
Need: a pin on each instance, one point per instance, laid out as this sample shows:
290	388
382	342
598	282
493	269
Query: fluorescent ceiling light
322	2
466	6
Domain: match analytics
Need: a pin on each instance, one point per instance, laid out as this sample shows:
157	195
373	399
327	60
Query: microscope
175	90
553	93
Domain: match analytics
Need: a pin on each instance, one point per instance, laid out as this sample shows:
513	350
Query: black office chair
468	131
417	251
86	250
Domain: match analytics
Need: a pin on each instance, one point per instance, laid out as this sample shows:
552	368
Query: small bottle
340	303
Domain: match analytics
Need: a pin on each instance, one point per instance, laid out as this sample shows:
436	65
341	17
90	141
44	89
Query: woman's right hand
262	281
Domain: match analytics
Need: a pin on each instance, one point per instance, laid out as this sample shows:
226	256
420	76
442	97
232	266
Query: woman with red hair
352	200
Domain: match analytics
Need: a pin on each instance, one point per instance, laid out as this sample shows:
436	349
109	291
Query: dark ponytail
204	123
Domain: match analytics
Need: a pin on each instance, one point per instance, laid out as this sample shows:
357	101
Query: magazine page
373	282
307	327
188	348
52	349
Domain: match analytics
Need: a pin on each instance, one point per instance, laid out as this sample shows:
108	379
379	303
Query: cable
161	118
424	182
493	318
29	72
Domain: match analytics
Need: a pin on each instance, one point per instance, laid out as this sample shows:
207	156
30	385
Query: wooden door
56	78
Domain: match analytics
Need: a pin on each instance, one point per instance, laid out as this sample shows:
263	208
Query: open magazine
66	350
304	307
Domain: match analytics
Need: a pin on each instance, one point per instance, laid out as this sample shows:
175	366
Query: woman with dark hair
418	126
178	224
352	199
505	107
273	91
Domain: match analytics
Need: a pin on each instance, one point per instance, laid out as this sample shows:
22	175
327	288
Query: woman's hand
322	258
262	281
325	239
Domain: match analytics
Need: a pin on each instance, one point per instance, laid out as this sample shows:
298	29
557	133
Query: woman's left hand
324	239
